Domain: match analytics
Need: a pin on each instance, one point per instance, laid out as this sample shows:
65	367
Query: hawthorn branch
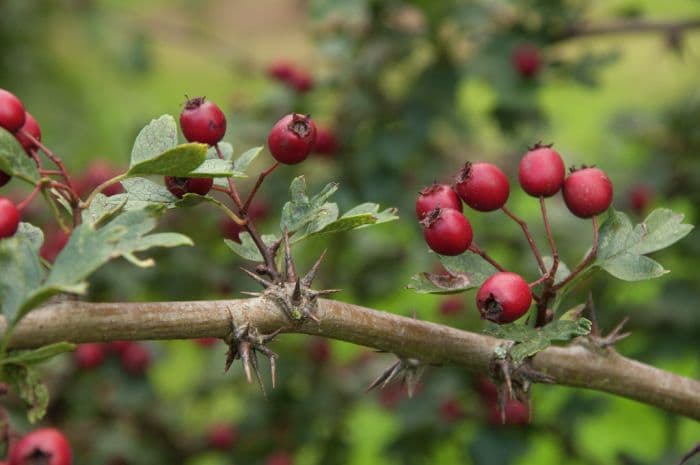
578	365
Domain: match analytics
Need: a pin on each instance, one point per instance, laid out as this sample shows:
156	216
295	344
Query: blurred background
404	93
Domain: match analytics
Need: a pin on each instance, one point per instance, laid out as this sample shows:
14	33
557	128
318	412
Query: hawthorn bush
397	103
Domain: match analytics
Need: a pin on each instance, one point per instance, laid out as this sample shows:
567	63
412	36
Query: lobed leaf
14	160
160	135
177	161
21	273
247	249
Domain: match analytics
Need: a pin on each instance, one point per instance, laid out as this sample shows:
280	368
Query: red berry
135	359
447	231
9	218
279	458
451	305
11	111
486	389
292	138
54	241
516	413
527	60
45	446
587	192
206	341
541	172
319	350
202	121
437	195
32	128
4	178
640	196
97	172
301	81
281	70
482	186
89	356
119	347
504	297
181	186
326	142
451	410
222	436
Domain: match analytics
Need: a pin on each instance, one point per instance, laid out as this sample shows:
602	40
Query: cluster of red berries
290	140
505	296
292	76
134	357
47	446
15	119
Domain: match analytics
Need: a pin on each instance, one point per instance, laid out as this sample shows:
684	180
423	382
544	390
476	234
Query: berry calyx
89	356
44	446
11	111
482	186
181	186
437	195
4	178
30	127
447	231
9	218
541	171
587	192
527	60
504	297
202	121
292	138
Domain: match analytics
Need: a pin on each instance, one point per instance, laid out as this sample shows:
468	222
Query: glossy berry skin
31	127
46	446
89	356
9	218
541	172
181	186
437	195
4	178
202	121
222	436
135	359
527	60
447	231
482	186
587	192
11	111
504	297
292	138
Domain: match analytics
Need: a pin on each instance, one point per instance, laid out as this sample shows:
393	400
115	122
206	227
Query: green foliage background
409	105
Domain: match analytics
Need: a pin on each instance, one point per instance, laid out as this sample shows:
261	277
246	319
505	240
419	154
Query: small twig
102	187
475	249
55	159
261	178
231	185
528	236
585	262
30	197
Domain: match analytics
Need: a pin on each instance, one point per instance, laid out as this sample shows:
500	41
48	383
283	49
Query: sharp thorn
253	294
273	370
290	271
309	278
269	337
296	295
325	292
256	369
265	283
245	360
393	373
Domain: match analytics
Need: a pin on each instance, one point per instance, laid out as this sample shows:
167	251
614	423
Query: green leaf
517	332
14	160
142	192
21	272
215	169
562	270
33	356
470	264
439	283
226	151
247	249
28	385
361	216
300	211
519	352
159	136
243	162
34	235
103	209
622	247
566	329
177	161
90	247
